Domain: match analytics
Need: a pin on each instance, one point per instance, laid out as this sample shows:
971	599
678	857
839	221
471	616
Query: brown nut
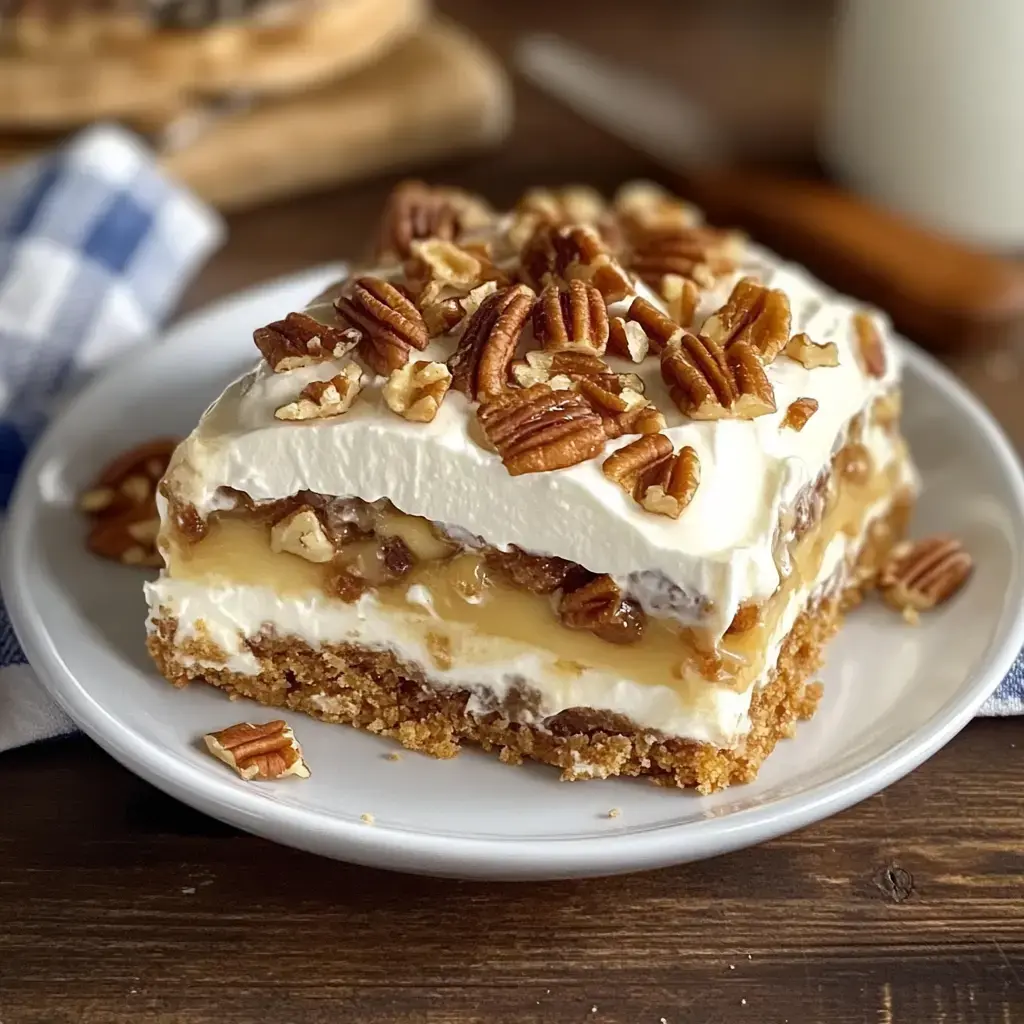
659	479
268	751
922	575
416	390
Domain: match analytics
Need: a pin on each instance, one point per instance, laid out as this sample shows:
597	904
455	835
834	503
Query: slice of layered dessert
585	483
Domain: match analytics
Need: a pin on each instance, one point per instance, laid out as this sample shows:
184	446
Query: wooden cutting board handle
942	294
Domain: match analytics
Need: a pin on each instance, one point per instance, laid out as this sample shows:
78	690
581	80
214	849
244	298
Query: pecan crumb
922	575
753	314
798	413
268	751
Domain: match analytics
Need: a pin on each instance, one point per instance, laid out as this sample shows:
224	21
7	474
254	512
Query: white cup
926	112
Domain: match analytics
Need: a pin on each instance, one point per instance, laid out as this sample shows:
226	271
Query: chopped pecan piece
870	349
268	751
415	211
757	315
798	413
648	419
537	429
661	480
544	367
575	319
480	364
557	255
416	390
659	329
598	606
320	399
122	504
572	204
626	338
539	574
922	575
301	533
681	296
445	263
299	340
709	384
390	324
811	355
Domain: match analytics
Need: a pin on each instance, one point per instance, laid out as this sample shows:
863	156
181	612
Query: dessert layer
717	556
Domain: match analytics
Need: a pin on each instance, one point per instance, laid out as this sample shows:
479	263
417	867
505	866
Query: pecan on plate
754	314
573	319
267	751
299	340
557	255
122	504
922	575
321	399
659	479
870	349
416	390
537	429
480	364
809	354
798	413
539	574
599	607
708	383
390	324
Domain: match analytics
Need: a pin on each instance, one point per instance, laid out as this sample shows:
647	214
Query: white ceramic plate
893	694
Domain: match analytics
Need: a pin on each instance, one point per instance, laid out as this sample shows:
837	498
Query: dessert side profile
589	483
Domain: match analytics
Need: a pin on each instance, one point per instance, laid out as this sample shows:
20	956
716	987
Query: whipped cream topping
720	550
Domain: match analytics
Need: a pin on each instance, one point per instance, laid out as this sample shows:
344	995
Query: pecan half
416	390
543	367
390	324
122	504
320	399
539	574
798	413
415	210
708	384
659	479
599	607
299	340
755	314
626	338
575	319
922	575
557	255
659	328
537	429
870	349
480	364
268	751
811	355
696	253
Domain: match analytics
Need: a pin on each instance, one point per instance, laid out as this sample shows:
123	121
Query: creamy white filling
720	550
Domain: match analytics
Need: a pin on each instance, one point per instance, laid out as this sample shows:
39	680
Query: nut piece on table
919	576
662	481
389	324
321	399
301	533
571	320
600	608
798	413
708	383
122	505
416	390
870	350
536	430
267	751
299	340
811	355
480	364
753	314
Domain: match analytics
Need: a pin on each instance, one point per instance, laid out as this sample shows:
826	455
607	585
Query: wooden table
118	904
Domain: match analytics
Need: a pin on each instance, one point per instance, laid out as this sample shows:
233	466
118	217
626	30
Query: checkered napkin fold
96	245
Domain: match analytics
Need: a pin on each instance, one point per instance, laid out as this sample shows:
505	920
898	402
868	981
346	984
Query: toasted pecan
754	314
299	340
267	751
798	413
659	479
415	391
390	324
537	429
321	399
922	575
571	319
811	355
599	607
557	255
659	328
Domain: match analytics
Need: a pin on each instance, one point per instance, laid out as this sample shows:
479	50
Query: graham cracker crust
375	691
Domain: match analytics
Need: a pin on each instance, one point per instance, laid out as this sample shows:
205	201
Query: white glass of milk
925	112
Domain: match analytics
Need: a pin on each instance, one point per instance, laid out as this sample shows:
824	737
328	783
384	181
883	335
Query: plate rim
481	857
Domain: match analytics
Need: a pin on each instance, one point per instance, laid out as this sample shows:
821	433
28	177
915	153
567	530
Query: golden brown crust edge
373	690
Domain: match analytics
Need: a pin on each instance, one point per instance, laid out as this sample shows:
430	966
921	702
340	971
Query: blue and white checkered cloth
96	246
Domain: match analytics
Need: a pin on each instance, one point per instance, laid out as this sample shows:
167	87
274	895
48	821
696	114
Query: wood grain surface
118	904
